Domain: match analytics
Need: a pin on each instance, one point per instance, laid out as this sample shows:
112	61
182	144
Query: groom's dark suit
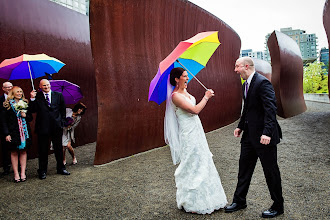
4	144
48	126
259	118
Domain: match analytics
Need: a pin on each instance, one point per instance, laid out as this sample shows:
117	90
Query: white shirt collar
5	94
49	94
250	78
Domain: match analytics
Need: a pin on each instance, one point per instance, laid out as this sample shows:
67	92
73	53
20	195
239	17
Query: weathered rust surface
129	38
263	67
34	26
287	74
326	24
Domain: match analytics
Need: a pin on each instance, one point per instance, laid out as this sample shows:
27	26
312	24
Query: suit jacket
2	99
49	119
259	112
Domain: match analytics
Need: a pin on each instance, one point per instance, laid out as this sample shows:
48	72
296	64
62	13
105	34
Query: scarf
23	132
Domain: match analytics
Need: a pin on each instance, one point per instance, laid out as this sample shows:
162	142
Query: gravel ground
143	187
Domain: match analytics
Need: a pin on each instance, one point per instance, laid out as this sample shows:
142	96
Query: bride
199	188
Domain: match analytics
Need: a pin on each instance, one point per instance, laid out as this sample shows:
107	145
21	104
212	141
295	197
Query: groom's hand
237	132
265	139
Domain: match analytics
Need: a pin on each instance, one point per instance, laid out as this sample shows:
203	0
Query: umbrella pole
30	75
192	74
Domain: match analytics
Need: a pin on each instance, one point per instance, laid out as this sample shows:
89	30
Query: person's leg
268	159
43	147
14	163
64	158
22	161
247	163
71	151
6	156
58	149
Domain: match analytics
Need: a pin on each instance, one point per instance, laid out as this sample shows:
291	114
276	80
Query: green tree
315	80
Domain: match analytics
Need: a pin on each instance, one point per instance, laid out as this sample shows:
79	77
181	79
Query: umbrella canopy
29	67
191	54
70	91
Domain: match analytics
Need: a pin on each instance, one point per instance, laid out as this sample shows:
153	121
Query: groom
261	135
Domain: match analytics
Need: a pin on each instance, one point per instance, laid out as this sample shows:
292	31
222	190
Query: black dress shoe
271	213
42	176
63	172
235	207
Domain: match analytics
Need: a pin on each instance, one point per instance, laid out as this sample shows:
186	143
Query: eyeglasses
7	87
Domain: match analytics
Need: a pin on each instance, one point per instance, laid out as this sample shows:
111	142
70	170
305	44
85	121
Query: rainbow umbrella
191	54
29	67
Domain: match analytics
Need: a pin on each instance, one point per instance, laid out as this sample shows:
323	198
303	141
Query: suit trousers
43	149
247	162
5	154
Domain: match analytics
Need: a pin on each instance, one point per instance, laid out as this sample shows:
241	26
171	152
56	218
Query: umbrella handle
30	75
192	75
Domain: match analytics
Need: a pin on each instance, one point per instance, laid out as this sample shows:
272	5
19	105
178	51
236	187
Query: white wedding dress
198	183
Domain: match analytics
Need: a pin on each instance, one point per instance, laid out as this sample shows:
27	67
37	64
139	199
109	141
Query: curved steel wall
263	67
129	39
287	74
326	24
34	26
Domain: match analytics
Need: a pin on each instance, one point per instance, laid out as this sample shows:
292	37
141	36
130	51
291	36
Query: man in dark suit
50	109
6	87
261	135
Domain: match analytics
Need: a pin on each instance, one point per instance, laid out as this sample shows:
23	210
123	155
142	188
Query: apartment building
81	6
306	42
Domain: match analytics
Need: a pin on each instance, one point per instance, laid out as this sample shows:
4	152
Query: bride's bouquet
21	106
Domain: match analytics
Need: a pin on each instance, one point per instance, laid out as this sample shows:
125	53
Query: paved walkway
143	187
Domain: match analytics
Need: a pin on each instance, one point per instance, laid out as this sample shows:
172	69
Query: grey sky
254	19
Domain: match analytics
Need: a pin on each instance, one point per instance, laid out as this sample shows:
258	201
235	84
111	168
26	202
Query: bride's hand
209	93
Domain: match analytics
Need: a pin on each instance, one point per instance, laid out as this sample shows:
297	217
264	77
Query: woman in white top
73	118
198	184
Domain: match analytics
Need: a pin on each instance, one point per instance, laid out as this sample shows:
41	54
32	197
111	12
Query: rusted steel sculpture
33	27
287	74
129	39
326	24
263	67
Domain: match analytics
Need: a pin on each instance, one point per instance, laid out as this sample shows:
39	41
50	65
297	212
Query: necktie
47	99
246	88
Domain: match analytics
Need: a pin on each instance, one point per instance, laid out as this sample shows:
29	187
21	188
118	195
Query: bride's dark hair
175	73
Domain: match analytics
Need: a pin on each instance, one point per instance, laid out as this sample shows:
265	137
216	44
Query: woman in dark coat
17	130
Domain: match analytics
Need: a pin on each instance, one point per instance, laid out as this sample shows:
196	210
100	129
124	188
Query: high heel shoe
23	179
74	162
17	181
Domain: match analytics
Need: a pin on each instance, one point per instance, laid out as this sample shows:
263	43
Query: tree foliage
315	78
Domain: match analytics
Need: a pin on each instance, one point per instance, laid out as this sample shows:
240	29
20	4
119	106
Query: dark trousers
43	148
247	162
5	155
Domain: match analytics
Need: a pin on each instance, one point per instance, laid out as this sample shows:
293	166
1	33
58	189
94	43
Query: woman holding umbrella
199	188
17	130
73	118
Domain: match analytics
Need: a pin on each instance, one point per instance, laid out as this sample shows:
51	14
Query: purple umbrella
71	92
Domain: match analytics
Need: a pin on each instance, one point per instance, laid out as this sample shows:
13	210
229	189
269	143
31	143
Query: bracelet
205	98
